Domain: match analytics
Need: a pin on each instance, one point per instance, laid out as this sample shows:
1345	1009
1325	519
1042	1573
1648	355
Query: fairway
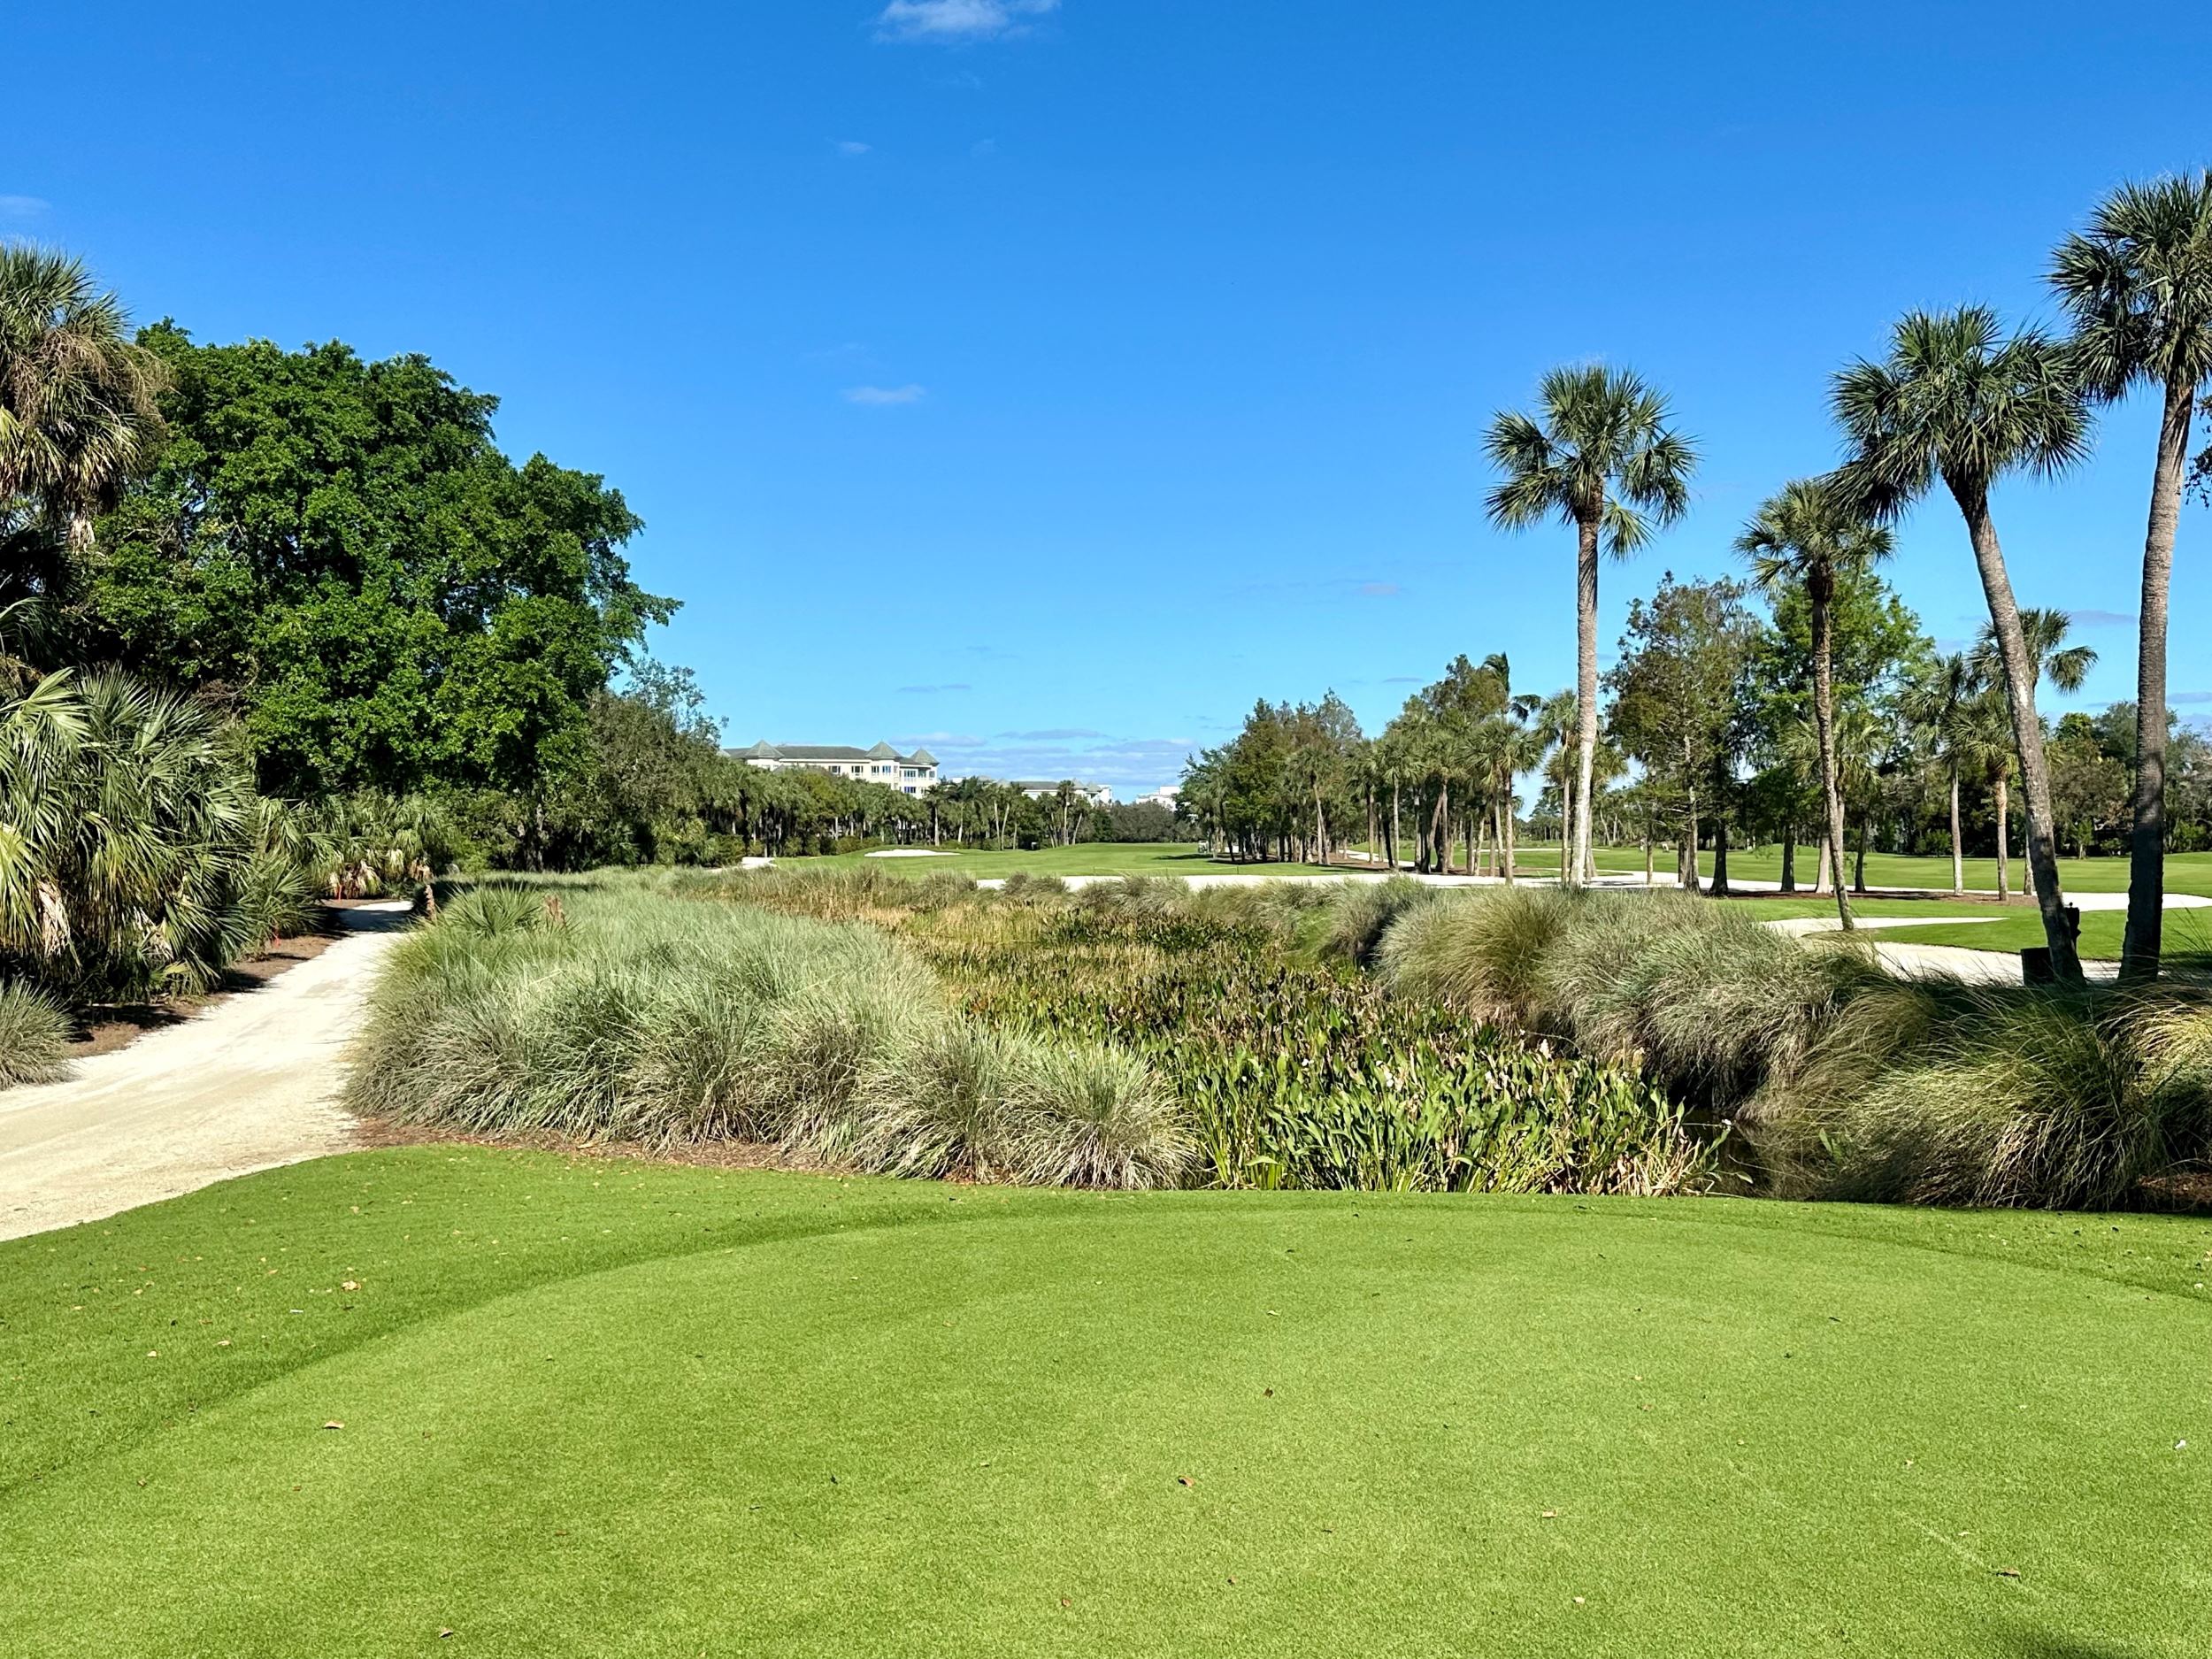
1087	858
595	1407
2185	872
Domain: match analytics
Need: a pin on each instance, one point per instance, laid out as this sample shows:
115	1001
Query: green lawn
1092	859
597	1408
2185	872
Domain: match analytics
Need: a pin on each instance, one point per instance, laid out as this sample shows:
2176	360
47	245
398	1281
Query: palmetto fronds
125	820
76	395
1603	450
1956	401
2138	285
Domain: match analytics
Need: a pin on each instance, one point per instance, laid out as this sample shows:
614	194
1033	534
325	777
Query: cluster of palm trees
1957	402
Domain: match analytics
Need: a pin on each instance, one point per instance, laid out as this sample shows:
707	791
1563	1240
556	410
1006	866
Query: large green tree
1956	401
2138	284
338	548
1603	456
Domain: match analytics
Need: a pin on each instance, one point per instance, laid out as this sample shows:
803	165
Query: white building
1167	795
1039	789
914	775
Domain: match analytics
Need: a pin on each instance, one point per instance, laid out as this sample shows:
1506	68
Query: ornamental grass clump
35	1033
2064	1096
1361	912
610	1010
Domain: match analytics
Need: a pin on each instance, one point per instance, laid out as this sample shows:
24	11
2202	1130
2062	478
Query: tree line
1707	702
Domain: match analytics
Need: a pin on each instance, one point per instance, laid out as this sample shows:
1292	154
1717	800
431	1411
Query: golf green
598	1406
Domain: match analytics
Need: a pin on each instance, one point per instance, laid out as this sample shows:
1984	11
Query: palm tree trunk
1820	877
1720	852
1789	857
1585	683
1507	825
2004	836
1394	826
2027	737
1958	855
2147	848
1820	589
1686	876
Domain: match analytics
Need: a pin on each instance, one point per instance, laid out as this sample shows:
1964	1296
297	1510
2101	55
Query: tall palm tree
1602	456
76	394
2066	666
1941	708
1807	536
1955	401
2139	285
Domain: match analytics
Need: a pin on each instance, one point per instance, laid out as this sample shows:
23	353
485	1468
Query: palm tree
1955	401
1807	535
1603	459
76	395
2139	285
2043	633
1942	707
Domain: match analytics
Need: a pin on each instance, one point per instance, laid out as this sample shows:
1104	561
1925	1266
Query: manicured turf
597	1408
2187	937
2185	872
1091	858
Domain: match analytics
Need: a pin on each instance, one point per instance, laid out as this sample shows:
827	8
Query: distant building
915	774
1040	789
1167	795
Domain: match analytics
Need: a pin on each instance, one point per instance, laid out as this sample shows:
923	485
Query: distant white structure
1167	795
914	775
1039	789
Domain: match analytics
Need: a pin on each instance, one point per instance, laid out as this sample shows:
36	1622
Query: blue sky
1046	379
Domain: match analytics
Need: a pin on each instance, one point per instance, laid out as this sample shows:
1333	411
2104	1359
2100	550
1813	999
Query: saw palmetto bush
128	842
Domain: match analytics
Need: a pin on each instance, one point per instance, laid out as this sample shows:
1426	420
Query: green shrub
35	1034
1483	952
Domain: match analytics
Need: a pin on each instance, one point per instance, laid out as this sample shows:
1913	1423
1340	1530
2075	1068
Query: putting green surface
599	1408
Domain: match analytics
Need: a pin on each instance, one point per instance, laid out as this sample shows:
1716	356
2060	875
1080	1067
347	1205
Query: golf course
453	1399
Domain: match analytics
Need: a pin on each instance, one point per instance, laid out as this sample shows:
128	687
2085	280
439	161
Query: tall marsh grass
610	1011
1841	1080
35	1033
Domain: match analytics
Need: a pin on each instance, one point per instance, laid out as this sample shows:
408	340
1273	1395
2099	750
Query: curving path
250	1083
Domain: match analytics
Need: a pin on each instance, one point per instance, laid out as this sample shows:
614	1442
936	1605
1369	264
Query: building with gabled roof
912	774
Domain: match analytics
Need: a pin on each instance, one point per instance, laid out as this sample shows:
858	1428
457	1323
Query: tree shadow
2041	1644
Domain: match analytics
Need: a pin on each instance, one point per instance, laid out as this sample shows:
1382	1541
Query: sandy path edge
250	1083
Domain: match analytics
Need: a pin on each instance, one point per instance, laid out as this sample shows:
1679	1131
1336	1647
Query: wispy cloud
884	397
983	148
1052	735
1378	590
852	147
952	22
932	691
1406	680
22	206
2189	696
2101	619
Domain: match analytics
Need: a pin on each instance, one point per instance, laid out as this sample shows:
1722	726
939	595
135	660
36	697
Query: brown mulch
113	1025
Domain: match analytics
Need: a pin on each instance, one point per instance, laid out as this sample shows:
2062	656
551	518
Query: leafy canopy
338	548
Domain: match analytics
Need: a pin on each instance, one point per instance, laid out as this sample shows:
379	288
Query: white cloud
853	147
884	397
22	206
954	22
